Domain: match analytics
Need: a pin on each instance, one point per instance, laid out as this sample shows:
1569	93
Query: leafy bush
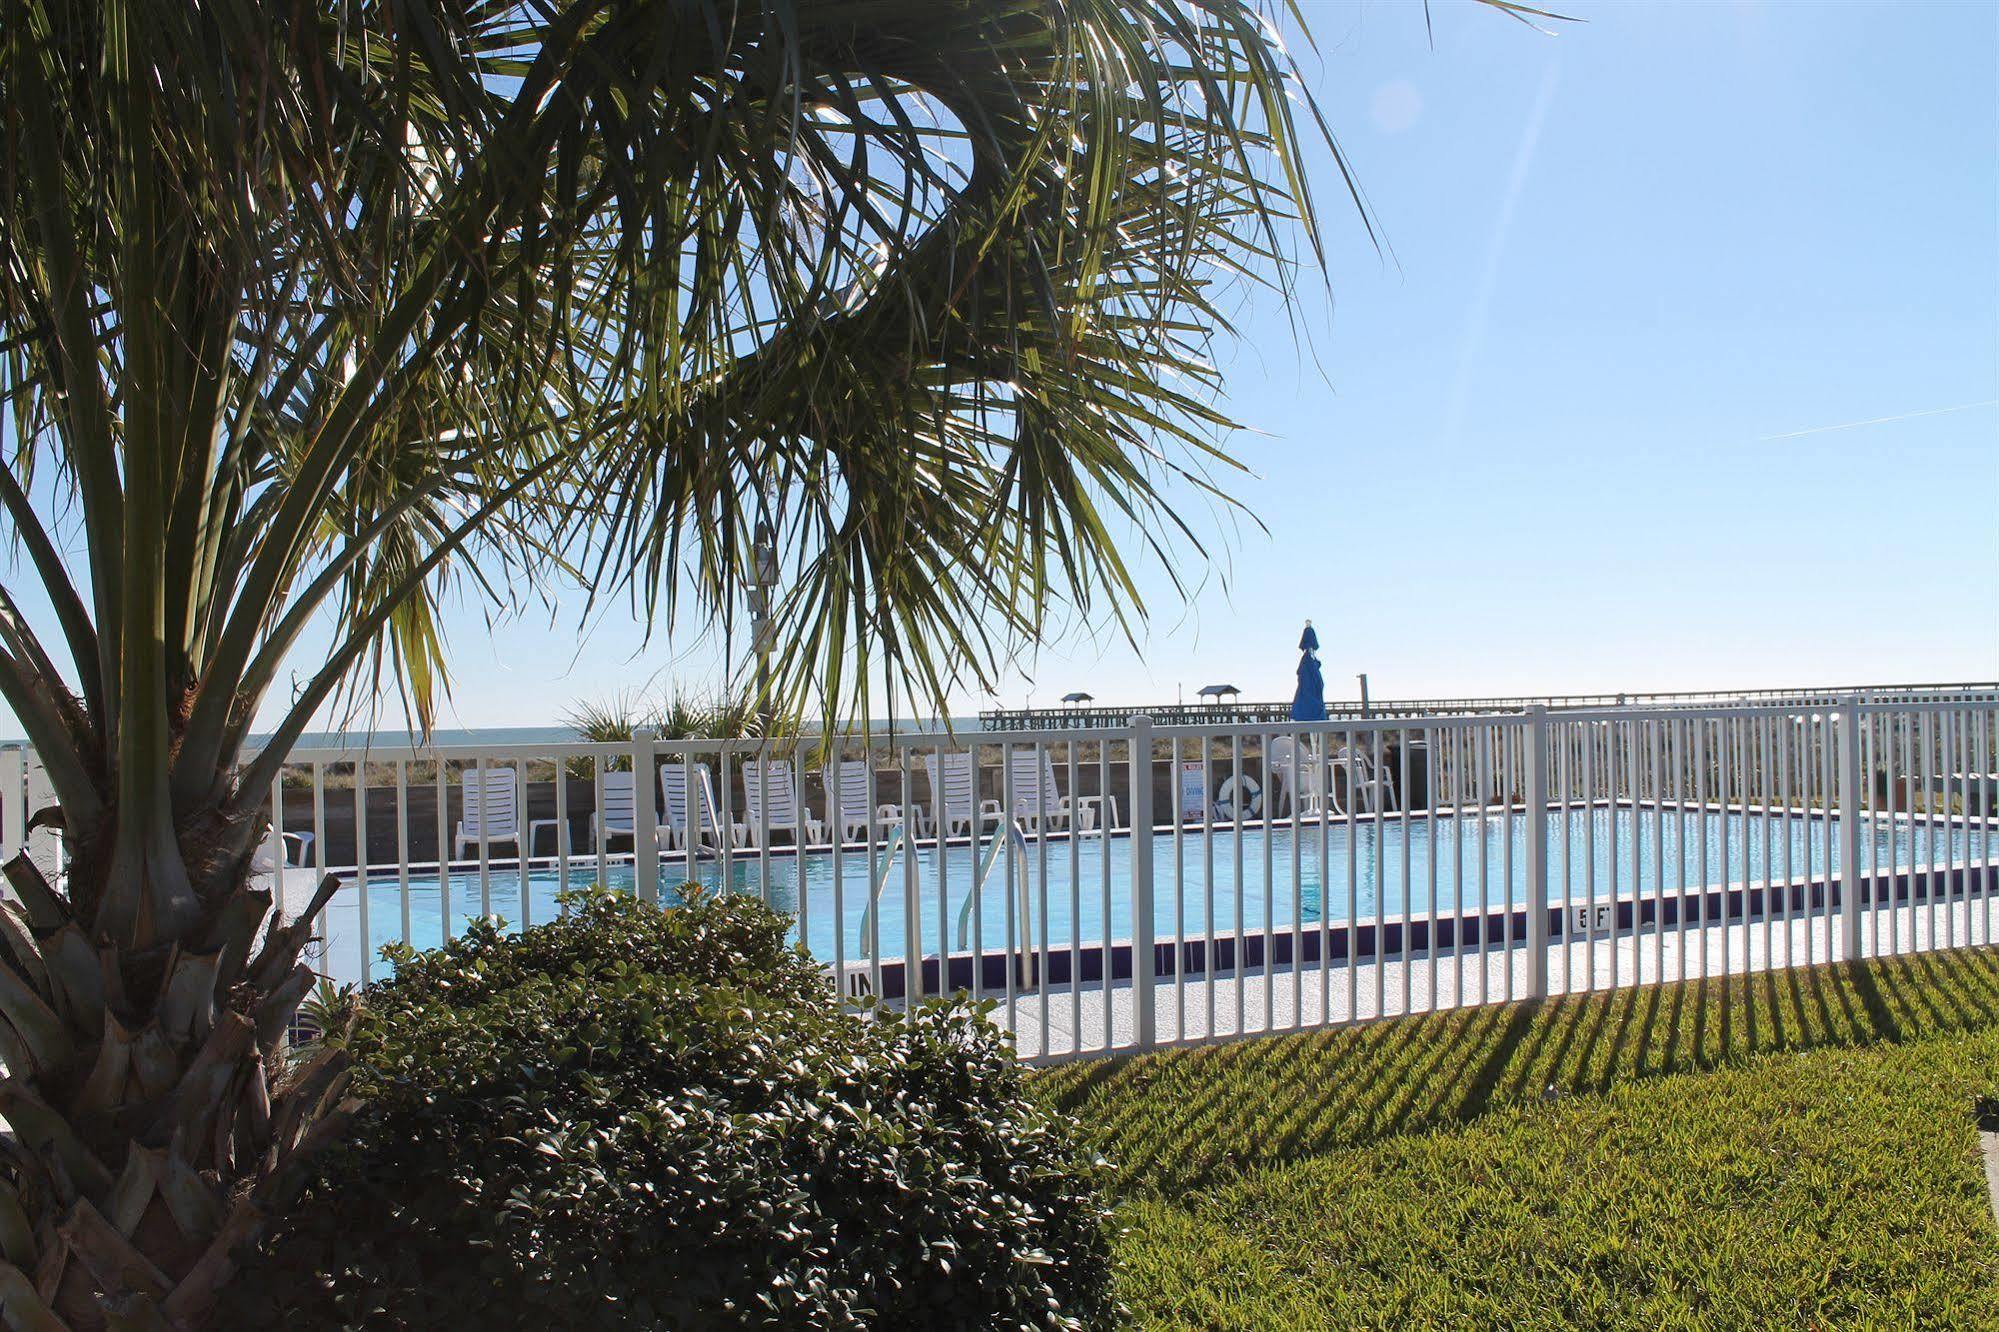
639	1118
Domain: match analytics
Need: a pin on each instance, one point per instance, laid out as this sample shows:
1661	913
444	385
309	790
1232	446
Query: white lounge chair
690	814
296	846
1035	790
954	788
1037	802
618	815
557	826
492	811
847	807
771	804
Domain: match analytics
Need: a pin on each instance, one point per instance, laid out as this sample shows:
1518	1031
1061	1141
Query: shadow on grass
1189	1119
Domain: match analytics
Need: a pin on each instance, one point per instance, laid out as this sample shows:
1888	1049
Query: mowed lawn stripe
1801	1155
1187	1119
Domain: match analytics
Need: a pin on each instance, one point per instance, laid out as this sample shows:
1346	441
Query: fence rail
1093	715
1151	885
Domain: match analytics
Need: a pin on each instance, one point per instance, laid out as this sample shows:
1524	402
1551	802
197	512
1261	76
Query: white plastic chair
686	821
1036	801
1282	756
492	811
618	815
295	847
1355	766
954	788
771	804
847	807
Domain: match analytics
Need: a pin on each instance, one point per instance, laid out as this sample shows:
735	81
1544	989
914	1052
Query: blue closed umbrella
1309	703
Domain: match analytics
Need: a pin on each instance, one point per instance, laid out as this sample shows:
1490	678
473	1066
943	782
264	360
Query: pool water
1079	891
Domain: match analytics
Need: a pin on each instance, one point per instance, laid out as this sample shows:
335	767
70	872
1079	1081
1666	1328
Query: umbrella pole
1320	777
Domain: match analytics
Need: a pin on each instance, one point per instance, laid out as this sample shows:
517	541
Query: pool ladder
1009	832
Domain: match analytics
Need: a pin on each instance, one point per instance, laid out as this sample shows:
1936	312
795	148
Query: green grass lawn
1796	1152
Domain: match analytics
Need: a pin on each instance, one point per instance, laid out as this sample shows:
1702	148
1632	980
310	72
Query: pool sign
1193	791
1600	918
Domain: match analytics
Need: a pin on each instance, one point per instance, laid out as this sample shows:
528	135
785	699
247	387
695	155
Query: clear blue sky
1554	439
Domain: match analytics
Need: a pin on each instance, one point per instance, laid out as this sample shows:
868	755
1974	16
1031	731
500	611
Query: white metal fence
24	788
1145	886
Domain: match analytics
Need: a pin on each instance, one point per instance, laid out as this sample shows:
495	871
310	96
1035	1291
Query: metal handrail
1008	833
896	837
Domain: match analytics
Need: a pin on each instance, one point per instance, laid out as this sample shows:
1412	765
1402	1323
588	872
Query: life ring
1252	797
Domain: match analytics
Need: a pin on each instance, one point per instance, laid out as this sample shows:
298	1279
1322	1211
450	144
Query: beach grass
1791	1149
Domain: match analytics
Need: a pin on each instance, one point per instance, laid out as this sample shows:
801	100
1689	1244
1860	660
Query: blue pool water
1073	888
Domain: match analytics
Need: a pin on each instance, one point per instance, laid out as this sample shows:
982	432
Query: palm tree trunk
158	1113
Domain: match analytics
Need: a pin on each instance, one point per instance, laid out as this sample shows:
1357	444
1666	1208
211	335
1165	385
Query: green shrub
639	1118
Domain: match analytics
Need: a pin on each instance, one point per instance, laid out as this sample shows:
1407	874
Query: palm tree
310	311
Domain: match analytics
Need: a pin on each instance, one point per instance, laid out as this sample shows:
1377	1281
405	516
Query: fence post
645	838
1537	851
1848	715
13	799
1144	1032
912	888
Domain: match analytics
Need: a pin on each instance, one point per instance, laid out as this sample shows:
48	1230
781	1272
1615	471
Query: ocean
518	735
497	735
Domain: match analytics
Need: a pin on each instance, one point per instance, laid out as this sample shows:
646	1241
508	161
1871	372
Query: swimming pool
1078	891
